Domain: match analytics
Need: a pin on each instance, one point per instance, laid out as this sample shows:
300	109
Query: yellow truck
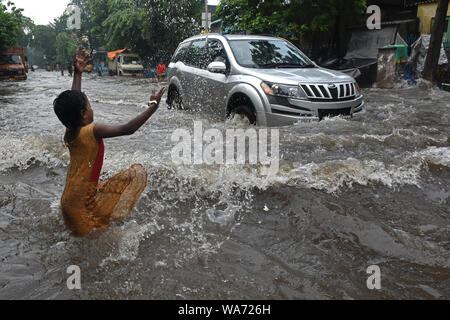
12	64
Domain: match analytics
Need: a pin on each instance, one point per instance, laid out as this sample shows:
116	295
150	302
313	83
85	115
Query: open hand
158	96
81	61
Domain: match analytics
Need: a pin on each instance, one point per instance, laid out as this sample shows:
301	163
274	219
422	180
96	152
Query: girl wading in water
87	203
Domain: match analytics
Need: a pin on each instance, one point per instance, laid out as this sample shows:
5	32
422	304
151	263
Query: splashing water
349	193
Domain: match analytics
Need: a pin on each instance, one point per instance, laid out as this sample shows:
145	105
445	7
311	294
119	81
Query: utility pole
205	17
437	33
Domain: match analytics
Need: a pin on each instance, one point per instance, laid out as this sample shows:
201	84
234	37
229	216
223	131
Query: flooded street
350	193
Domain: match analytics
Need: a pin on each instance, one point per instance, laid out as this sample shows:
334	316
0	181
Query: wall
426	12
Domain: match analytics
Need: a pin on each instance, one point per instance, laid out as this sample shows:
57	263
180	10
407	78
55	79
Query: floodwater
350	193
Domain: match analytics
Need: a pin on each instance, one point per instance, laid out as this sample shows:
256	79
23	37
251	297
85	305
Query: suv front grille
338	91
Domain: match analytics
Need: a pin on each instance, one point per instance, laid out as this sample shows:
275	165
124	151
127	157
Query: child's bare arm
103	131
81	61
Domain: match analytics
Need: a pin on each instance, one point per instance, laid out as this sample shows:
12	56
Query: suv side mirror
217	67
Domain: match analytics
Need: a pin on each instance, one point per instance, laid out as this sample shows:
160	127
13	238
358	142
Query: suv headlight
285	91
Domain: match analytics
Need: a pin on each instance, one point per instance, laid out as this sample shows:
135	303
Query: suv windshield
268	54
10	59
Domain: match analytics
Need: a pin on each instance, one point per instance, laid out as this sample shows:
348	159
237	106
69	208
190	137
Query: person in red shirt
161	70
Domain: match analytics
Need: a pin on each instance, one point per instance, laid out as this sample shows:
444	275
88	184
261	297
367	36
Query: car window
181	52
216	52
131	60
268	54
197	54
10	59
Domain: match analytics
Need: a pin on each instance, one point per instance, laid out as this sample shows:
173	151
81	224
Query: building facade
426	12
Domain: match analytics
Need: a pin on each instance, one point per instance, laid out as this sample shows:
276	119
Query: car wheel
243	111
174	100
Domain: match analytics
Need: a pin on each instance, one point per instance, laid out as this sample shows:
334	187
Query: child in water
88	204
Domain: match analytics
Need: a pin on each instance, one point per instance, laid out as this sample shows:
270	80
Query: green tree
99	10
125	24
65	48
152	28
26	38
309	20
10	24
166	24
45	41
254	16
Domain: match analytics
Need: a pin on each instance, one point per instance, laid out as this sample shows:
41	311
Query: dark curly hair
69	107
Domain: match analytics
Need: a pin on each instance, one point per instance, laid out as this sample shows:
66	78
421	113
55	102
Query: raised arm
102	131
81	61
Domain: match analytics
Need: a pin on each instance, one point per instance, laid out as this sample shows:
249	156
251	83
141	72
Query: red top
161	68
95	175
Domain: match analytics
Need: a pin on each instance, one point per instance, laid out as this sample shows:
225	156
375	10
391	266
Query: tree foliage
45	41
11	24
65	48
255	16
152	28
289	18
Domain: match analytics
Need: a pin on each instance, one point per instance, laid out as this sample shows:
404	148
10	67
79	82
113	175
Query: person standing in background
161	71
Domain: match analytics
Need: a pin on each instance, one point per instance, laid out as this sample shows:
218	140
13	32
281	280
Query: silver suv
265	79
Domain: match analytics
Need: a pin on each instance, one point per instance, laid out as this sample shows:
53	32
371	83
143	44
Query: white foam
117	102
25	152
435	155
206	180
127	239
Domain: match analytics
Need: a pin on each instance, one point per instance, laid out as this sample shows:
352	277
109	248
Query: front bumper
133	73
291	111
13	75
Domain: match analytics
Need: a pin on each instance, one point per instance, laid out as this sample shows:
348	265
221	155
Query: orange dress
88	204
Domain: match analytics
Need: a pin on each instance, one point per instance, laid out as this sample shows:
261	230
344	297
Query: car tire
174	100
245	111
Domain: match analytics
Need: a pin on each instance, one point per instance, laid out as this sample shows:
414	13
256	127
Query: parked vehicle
265	79
100	61
89	68
13	64
124	63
